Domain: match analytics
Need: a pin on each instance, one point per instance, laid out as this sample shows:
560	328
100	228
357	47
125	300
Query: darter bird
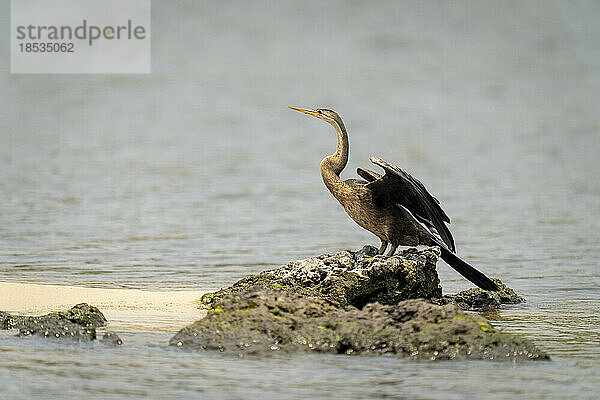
395	206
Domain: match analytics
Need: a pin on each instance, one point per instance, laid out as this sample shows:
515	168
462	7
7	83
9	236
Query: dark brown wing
399	187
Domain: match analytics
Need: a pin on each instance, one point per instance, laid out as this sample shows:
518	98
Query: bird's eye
320	112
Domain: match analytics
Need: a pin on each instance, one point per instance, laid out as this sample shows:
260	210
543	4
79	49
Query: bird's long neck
333	165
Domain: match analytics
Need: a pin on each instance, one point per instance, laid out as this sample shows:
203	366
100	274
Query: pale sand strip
126	309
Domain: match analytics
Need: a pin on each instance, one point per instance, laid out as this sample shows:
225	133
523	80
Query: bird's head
325	114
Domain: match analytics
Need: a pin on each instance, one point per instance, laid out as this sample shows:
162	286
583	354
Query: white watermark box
80	36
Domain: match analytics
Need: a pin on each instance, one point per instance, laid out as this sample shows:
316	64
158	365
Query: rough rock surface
78	323
351	278
482	300
259	320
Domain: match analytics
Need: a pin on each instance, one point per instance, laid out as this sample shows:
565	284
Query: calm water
196	175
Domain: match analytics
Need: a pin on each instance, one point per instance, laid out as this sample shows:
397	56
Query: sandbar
125	309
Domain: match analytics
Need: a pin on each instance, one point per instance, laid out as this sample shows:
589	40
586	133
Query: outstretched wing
399	187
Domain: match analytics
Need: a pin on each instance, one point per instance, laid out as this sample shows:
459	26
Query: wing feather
399	187
368	175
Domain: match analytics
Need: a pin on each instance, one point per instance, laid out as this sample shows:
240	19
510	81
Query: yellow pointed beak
305	111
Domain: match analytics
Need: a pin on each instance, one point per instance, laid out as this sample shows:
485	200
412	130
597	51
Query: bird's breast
358	204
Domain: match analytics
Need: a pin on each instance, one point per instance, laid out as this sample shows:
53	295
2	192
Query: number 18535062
47	47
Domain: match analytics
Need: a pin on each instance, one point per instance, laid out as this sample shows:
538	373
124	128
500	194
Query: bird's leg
384	245
392	250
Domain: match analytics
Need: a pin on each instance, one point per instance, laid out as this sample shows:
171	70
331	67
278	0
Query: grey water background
196	175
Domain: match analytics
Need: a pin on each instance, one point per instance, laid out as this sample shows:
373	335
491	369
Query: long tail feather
465	269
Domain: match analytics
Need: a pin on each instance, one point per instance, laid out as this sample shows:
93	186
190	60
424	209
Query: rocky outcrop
351	278
266	320
78	323
355	303
477	299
